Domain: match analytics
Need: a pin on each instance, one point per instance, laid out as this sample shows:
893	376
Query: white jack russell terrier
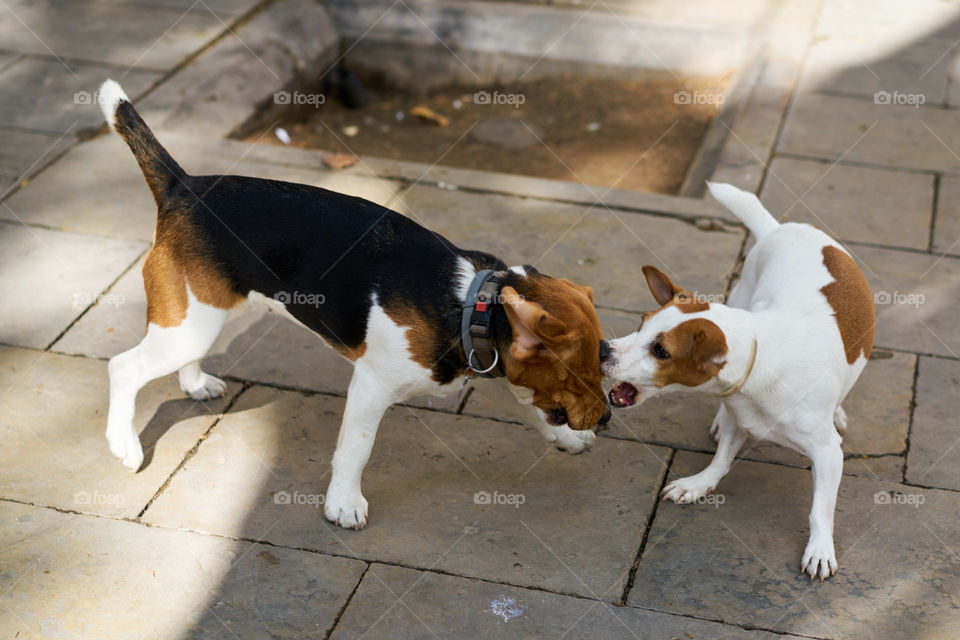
783	353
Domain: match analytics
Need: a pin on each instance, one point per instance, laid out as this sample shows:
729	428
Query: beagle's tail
159	168
745	206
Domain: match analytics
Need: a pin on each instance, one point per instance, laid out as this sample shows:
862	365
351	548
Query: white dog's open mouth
623	394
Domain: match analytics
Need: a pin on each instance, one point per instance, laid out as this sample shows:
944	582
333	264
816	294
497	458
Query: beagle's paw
345	508
125	444
206	388
570	440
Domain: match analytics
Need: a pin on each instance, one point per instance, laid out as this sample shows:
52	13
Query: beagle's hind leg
180	331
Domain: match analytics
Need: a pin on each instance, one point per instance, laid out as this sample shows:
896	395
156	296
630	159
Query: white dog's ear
663	290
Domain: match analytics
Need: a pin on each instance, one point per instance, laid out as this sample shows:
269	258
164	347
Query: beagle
783	353
412	311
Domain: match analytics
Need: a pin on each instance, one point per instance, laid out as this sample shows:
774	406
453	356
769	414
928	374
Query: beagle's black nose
604	351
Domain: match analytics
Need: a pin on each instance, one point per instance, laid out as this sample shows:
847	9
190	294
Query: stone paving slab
852	203
50	277
915	296
886	135
422	484
53	414
740	560
24	153
222	8
862	66
151	37
108	195
223	88
55	97
73	576
499	183
598	247
934	436
402	604
887	20
946	236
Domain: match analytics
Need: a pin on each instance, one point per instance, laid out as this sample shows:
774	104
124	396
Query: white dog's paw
571	440
208	387
345	508
125	444
688	490
819	558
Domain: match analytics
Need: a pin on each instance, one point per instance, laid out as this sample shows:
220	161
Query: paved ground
198	543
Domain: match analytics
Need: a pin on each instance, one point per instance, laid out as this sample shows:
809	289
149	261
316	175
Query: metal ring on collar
496	359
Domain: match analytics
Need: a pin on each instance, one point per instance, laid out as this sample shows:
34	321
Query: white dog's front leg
819	558
367	400
730	439
566	439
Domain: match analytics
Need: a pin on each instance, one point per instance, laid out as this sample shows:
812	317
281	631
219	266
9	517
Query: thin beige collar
739	385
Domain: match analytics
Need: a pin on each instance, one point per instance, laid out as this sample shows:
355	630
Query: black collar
476	324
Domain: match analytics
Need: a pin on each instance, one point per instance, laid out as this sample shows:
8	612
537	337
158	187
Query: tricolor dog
411	310
783	354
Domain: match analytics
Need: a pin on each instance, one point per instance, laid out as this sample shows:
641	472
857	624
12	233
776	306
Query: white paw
571	440
345	508
819	558
125	444
208	387
688	490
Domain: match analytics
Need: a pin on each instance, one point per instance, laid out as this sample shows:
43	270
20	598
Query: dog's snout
605	351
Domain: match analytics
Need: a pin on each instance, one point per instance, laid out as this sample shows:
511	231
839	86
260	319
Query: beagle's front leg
566	439
367	401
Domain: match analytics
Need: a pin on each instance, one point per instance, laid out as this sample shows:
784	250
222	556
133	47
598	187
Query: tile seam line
107	288
219	416
645	538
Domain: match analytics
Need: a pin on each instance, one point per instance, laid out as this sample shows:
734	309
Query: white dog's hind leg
840	420
819	558
717	419
691	489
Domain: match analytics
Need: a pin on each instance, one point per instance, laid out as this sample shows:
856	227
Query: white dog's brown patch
852	302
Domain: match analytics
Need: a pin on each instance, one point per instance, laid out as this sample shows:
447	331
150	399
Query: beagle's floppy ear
531	324
663	290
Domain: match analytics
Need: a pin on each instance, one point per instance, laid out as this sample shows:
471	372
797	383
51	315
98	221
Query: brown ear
531	324
708	345
663	290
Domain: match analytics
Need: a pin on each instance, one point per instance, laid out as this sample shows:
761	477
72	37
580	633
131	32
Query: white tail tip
110	97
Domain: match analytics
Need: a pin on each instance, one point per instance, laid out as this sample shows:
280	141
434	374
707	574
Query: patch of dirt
637	135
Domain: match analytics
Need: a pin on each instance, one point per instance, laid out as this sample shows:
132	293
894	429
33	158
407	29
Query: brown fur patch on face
694	346
174	263
852	302
563	367
422	334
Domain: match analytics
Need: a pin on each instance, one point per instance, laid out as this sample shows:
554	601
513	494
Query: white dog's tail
745	206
